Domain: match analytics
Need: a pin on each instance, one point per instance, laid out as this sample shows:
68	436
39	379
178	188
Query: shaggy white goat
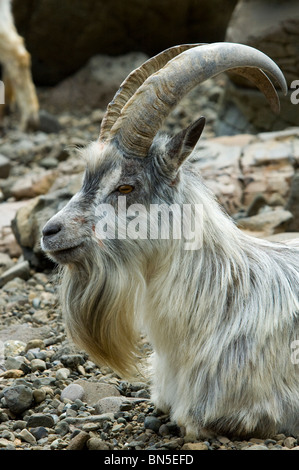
16	62
222	318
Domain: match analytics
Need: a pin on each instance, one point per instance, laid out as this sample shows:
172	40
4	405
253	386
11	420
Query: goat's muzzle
57	243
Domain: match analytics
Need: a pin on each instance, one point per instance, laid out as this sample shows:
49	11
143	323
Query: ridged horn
133	81
143	114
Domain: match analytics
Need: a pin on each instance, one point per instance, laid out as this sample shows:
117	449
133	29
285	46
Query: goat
222	318
16	63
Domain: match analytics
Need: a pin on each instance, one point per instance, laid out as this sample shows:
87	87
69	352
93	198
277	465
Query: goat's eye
125	188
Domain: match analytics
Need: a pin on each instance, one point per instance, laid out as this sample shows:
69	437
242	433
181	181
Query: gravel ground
53	397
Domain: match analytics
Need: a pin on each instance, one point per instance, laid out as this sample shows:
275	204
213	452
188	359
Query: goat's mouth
65	255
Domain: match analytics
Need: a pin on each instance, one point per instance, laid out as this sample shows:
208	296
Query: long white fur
221	319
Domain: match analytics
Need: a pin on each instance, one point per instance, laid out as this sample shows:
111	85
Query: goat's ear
181	145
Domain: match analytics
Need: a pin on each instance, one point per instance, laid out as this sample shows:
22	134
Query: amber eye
125	188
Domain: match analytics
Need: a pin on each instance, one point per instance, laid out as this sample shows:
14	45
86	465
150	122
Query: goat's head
128	159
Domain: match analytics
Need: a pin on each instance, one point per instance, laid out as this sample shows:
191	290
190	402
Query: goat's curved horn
133	81
142	116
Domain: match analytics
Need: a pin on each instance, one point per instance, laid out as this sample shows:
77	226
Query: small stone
48	123
18	398
72	392
5	262
290	442
153	423
13	347
117	427
95	443
109	405
78	442
5	166
62	428
39	395
70	412
195	446
63	373
279	437
3	417
142	394
18	362
255	447
38	364
20	270
19	424
36	302
35	343
39	432
72	360
49	162
26	436
4	443
223	439
40	419
12	374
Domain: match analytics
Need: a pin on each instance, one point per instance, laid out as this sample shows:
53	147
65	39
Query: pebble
20	270
26	436
40	419
62	428
72	392
18	398
109	405
38	364
14	347
35	343
256	447
153	423
63	373
39	395
95	443
5	166
39	432
195	446
78	442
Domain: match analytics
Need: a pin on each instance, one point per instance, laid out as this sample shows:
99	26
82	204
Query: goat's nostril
51	229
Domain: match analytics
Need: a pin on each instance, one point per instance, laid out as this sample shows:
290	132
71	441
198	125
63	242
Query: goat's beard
99	300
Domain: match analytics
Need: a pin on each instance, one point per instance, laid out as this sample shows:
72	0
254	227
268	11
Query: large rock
93	86
62	35
8	243
29	221
273	28
33	215
293	203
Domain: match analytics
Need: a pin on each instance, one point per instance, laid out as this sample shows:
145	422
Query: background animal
222	318
16	64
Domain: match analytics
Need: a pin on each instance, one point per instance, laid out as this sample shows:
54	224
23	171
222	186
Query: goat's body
222	327
16	63
222	318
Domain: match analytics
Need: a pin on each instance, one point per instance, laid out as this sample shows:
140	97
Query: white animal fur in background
16	64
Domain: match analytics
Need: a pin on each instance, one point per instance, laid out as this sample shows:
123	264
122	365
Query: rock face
62	36
273	28
293	203
90	87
